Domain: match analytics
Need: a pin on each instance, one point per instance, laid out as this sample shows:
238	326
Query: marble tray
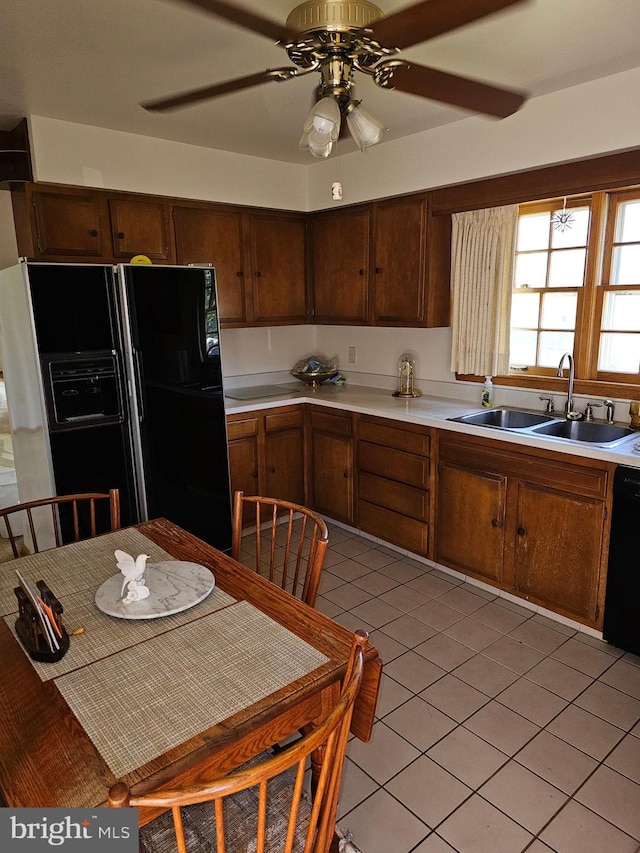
174	586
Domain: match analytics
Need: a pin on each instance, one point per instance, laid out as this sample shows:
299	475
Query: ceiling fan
337	38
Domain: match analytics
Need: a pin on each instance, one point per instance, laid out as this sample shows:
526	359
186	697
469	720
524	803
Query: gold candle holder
634	411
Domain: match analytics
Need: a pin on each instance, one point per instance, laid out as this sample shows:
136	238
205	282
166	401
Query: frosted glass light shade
364	128
321	127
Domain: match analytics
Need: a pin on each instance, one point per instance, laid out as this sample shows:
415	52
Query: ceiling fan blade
195	95
249	20
431	18
448	88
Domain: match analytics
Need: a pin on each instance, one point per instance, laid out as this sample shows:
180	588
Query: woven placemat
103	635
141	702
75	567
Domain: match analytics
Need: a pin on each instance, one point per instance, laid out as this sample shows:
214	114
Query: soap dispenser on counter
487	393
406	377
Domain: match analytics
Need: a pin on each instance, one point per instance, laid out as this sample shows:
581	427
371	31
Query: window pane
524	310
522	347
621	311
625	266
628	222
619	353
567	268
553	345
531	270
533	231
576	233
558	310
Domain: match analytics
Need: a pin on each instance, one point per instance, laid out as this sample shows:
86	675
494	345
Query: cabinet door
332	462
139	228
284	465
558	548
215	237
470	521
67	224
244	461
399	272
340	265
278	264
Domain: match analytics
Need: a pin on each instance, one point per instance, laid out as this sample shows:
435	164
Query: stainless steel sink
589	431
547	426
504	418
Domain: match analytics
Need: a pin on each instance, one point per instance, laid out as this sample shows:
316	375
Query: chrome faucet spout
569	411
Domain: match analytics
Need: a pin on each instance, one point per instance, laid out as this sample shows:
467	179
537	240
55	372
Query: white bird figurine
133	570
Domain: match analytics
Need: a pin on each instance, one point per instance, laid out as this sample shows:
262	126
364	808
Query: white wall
582	121
77	154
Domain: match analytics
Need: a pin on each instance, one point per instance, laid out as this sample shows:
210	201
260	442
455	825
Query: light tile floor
498	730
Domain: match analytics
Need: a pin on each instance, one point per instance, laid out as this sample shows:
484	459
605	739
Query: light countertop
430	411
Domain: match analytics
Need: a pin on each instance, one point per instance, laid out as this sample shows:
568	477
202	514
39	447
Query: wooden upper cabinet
140	227
340	266
205	236
67	225
278	268
399	272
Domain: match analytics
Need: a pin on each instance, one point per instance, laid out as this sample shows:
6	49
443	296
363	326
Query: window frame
589	381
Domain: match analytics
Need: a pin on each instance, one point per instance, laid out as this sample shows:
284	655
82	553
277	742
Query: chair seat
240	816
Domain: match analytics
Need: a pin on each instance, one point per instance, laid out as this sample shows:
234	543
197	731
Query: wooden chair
290	542
262	806
77	513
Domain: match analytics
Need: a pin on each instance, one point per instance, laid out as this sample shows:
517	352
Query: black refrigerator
123	363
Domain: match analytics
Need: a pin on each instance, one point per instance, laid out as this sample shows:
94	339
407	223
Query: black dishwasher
621	625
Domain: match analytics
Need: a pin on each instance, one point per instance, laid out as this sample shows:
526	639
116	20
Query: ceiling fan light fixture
365	129
321	128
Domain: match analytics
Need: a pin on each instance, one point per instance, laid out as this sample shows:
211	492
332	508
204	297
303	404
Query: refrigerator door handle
139	386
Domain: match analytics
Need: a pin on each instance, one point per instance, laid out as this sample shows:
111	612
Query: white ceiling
94	61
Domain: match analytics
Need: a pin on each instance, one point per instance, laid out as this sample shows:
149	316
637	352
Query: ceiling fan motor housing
336	15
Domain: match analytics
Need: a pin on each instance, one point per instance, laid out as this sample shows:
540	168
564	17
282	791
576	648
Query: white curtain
482	254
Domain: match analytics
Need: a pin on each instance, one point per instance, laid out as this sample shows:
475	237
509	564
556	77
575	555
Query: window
576	287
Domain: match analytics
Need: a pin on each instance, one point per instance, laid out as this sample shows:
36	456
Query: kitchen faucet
569	412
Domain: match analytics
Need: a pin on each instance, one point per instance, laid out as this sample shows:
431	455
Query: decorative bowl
313	377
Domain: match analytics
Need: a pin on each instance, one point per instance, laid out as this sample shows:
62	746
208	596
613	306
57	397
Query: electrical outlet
353	354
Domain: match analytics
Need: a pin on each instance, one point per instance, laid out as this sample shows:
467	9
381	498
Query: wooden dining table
184	697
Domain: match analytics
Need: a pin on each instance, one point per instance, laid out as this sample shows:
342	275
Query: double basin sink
540	425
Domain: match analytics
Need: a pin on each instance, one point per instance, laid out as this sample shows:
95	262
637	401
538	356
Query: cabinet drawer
395	496
242	429
394	464
386	524
283	420
389	436
328	422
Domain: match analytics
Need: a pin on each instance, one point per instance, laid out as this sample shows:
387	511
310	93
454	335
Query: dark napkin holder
30	630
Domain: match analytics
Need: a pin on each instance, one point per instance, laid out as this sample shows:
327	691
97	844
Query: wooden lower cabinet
331	462
471	513
394	482
266	453
533	523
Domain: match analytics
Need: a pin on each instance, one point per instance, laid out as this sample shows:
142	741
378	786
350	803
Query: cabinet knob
495	522
521	531
240	273
120	235
378	270
346	475
360	272
93	232
272	469
255	475
258	274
